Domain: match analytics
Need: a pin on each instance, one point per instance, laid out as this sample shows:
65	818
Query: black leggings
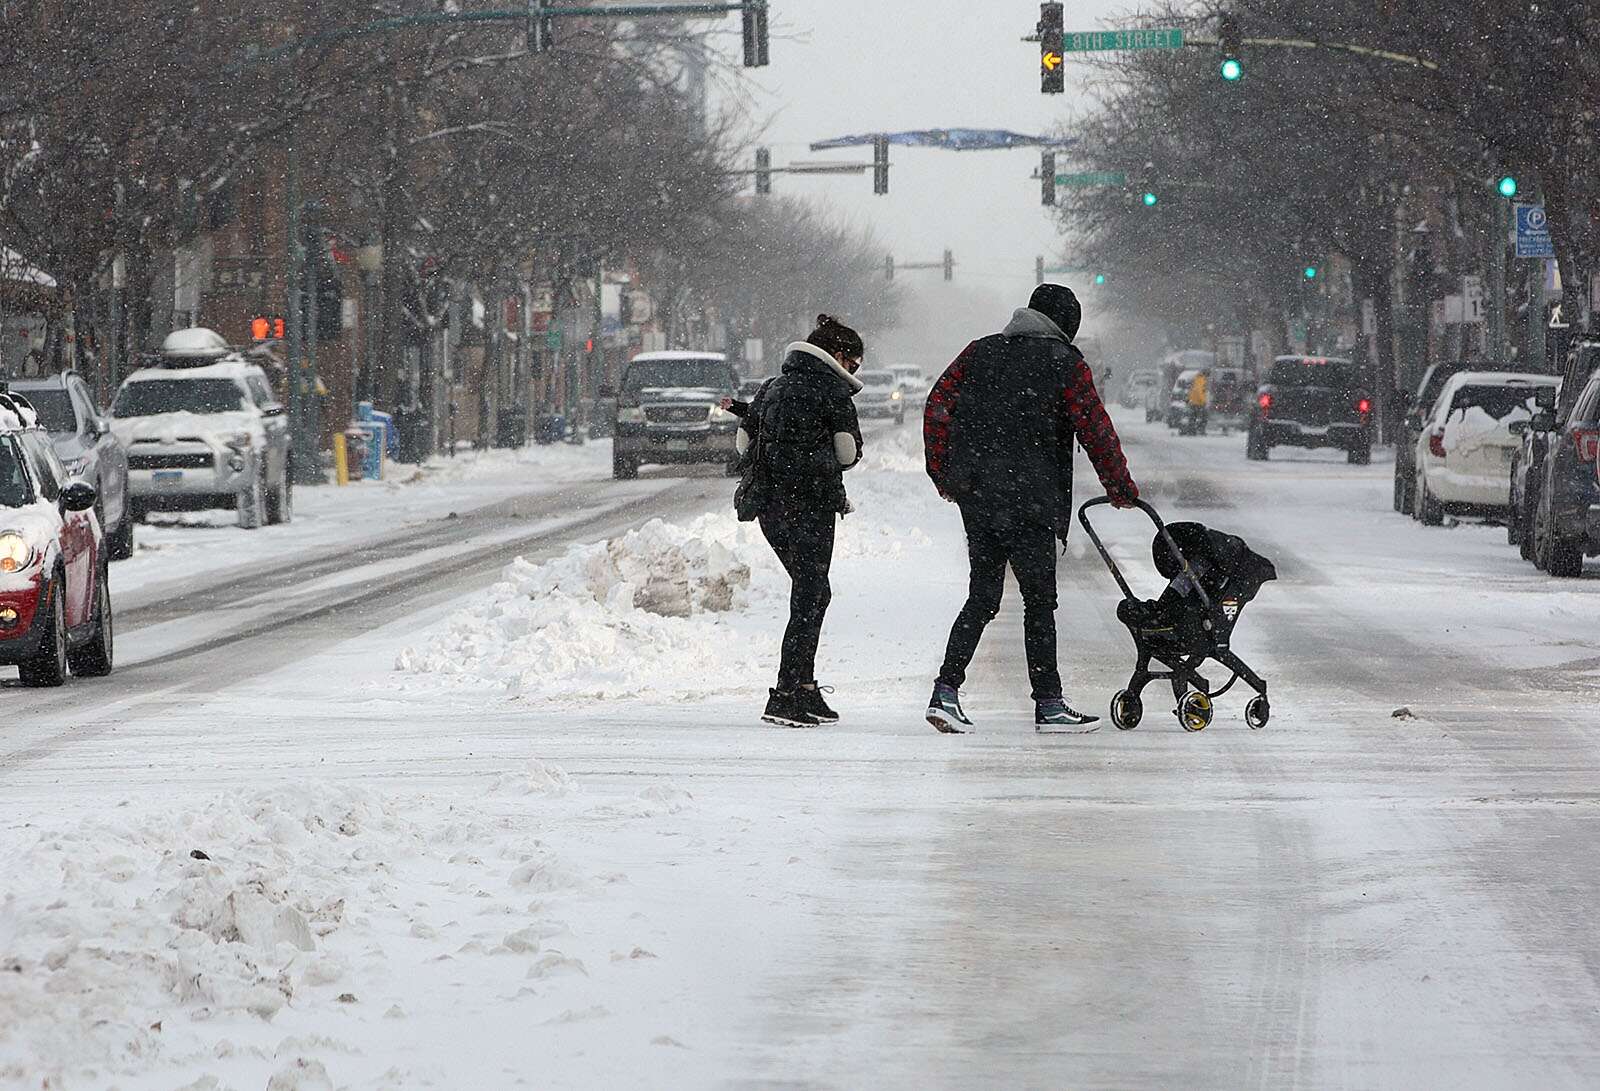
803	542
995	539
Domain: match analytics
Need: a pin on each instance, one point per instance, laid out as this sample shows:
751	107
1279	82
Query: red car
55	608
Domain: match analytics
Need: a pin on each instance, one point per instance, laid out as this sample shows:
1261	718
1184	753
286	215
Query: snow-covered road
487	877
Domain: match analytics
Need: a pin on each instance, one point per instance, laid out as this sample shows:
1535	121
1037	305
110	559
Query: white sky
853	66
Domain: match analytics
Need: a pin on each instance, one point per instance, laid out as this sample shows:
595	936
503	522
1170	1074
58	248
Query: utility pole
1038	269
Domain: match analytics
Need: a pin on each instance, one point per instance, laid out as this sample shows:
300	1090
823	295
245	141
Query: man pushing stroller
998	432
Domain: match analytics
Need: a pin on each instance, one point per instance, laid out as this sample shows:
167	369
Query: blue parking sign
1533	233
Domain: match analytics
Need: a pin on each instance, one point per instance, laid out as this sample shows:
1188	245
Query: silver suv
204	430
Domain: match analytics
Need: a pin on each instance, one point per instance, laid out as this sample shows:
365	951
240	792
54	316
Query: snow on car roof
196	341
16	414
678	354
232	366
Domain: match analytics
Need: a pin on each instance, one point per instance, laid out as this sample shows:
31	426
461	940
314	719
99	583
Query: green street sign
1093	178
1102	41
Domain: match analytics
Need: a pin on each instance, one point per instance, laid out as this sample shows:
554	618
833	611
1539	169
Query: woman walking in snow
798	437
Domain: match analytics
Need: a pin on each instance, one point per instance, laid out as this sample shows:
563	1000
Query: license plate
677	445
167	477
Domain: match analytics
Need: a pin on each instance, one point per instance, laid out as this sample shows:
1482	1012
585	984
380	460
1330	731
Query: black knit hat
1057	303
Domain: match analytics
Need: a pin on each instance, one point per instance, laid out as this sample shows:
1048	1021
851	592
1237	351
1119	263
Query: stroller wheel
1257	712
1126	710
1194	711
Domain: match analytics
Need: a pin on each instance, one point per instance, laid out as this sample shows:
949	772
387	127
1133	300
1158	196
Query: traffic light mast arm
454	18
1304	43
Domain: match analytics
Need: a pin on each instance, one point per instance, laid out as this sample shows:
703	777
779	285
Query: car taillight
1265	401
1587	443
1363	407
1436	444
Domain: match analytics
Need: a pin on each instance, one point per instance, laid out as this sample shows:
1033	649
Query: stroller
1211	578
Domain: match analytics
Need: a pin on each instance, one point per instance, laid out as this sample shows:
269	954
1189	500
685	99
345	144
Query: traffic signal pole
1497	282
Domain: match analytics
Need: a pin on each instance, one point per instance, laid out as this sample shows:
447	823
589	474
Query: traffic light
1052	31
1047	177
540	27
1229	42
763	171
266	328
1310	272
888	267
1099	279
1506	186
754	16
1149	199
880	165
949	266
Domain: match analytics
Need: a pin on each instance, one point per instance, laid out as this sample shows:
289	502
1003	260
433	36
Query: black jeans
803	542
995	539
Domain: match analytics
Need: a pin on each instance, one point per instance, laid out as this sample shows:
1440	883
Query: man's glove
1123	497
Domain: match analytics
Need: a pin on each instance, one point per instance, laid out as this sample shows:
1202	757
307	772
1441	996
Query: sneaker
786	708
944	710
812	701
1054	714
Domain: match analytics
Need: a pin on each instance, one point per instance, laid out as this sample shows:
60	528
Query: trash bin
511	427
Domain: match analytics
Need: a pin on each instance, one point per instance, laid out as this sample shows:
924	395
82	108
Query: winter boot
1052	714
811	700
787	708
944	710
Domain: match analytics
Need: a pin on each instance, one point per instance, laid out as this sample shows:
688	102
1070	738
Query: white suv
203	430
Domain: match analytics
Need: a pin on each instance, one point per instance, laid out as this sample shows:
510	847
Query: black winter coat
799	422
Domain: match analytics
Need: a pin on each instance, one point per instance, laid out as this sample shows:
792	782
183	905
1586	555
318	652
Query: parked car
1463	454
81	434
1312	401
668	412
1173	365
1566	520
55	602
204	430
1138	388
1178	400
881	396
1415	405
1527	466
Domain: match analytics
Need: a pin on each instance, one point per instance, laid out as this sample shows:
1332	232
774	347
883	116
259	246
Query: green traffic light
1311	272
1149	199
1507	186
1099	278
1232	69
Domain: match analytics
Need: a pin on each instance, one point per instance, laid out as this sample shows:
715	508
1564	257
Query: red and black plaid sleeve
939	413
1098	436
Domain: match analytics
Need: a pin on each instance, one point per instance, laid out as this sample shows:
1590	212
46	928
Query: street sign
1474	310
1101	41
1093	178
1533	232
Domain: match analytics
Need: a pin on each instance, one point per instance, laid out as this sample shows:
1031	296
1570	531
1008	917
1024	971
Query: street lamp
369	259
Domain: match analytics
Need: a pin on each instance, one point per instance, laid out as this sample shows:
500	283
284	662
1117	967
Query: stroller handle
1161	528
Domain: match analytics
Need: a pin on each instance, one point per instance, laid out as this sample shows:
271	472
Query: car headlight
15	552
895	396
630	414
720	415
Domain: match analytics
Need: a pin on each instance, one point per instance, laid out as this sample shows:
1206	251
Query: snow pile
116	925
646	613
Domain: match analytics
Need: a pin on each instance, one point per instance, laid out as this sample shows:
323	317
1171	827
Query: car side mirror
100	426
1545	397
272	410
78	496
1542	421
1517	427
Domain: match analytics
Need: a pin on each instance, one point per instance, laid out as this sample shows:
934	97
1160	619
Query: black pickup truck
1312	401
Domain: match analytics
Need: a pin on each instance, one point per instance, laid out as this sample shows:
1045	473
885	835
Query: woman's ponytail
833	336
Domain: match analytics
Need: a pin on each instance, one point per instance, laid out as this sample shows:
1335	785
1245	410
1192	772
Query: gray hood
1027	322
